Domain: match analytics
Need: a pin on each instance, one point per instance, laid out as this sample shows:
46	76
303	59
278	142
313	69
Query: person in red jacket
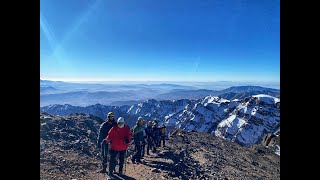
119	138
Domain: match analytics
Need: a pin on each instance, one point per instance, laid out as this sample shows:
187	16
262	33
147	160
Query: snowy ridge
267	98
243	121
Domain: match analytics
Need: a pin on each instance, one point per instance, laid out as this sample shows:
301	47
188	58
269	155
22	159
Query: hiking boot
102	171
133	161
154	150
111	174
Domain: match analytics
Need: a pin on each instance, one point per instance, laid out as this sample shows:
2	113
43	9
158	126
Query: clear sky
160	40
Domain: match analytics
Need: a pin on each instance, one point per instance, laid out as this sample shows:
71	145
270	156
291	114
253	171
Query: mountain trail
154	166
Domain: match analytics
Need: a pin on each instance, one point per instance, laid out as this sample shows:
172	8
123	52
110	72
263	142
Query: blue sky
163	40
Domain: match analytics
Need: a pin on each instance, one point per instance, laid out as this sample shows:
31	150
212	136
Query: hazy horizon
204	84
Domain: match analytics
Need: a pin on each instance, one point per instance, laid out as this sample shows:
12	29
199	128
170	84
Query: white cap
140	118
120	119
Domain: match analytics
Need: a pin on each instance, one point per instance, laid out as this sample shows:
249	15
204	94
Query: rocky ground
68	151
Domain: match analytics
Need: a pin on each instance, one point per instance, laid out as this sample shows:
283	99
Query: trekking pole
101	151
108	145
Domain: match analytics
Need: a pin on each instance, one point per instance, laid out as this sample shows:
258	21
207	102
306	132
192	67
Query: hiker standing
103	133
149	134
163	135
156	134
119	138
144	139
138	140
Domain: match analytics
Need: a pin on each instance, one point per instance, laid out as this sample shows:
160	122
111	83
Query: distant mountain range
231	93
242	95
243	121
47	89
241	89
58	92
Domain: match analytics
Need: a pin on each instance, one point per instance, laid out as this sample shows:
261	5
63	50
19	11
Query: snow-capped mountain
243	121
250	120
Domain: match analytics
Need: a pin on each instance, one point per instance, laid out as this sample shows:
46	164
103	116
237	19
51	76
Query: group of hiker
115	137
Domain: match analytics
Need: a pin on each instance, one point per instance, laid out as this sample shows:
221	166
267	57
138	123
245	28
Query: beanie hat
120	119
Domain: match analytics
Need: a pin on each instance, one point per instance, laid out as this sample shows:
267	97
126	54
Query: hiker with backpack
119	138
156	135
144	139
102	145
149	134
163	135
138	140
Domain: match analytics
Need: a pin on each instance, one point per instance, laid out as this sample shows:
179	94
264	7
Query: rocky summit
68	151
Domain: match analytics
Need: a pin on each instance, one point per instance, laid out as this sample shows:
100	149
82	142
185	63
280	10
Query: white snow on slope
230	127
233	121
251	134
267	98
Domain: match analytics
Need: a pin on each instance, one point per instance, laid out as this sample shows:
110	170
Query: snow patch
224	100
267	98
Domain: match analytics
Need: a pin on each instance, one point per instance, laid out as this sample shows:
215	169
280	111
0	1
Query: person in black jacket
149	134
156	134
103	133
138	141
163	135
144	139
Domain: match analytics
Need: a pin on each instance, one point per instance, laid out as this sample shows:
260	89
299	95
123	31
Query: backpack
156	131
163	130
